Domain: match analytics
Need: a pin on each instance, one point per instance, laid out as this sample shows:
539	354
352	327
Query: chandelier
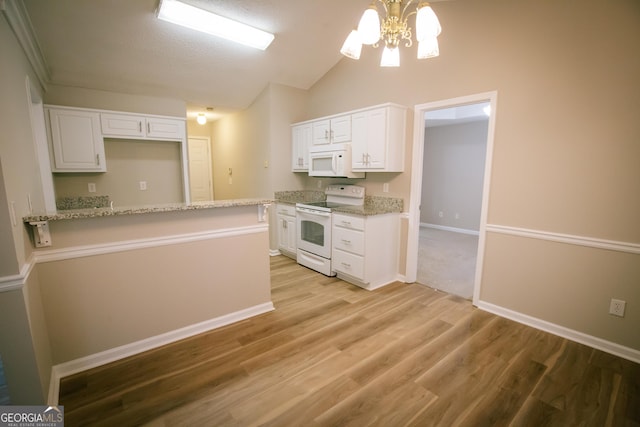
393	30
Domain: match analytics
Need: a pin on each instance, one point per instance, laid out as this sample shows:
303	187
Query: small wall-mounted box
41	235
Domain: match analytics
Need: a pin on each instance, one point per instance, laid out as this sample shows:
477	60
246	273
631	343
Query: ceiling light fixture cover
201	119
393	29
201	20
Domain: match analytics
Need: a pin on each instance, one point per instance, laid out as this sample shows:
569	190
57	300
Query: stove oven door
314	231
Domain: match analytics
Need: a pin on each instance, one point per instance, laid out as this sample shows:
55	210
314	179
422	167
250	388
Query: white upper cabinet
129	125
333	130
378	139
301	141
76	141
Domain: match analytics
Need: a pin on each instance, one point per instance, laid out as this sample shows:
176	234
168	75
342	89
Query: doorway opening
452	152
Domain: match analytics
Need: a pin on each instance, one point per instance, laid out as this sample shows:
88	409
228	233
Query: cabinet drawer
346	221
286	210
348	240
347	263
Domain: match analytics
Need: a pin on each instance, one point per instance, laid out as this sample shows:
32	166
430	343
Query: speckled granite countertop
373	205
99	212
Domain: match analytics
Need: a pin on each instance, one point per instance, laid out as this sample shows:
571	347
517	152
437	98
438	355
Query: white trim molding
129	245
18	19
570	334
15	282
591	242
452	229
82	364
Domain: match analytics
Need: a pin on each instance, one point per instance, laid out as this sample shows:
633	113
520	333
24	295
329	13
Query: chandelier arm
402	16
384	4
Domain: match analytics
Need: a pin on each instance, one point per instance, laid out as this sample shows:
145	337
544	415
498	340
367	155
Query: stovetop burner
337	195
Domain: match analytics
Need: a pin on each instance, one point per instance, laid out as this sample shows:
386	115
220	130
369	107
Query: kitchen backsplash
82	202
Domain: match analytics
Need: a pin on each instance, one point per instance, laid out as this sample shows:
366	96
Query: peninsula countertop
136	210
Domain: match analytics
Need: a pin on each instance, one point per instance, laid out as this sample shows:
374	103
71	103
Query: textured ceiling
120	46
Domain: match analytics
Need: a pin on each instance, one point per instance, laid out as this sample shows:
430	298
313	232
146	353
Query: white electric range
314	222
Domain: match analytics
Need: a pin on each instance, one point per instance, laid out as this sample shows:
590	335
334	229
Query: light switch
92	187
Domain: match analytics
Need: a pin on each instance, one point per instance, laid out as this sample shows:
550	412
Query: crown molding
18	19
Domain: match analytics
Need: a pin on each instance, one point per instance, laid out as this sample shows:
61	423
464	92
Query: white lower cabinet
365	249
287	236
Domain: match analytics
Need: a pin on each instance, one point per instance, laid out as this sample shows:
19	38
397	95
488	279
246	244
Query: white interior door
200	176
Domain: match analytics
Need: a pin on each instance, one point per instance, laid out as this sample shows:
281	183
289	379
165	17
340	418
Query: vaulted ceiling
120	46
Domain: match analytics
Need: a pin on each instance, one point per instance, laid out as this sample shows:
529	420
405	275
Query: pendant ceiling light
393	29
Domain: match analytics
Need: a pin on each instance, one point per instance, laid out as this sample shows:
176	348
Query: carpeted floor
447	261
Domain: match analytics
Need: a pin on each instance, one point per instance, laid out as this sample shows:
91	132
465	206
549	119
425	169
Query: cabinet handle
140	126
346	242
331	133
148	127
368	159
346	264
284	223
98	159
346	222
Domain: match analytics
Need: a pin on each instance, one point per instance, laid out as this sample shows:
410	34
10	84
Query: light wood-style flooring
332	354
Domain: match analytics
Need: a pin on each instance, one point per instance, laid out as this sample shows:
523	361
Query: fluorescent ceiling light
210	23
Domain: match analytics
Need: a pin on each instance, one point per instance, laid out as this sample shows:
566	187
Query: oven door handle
313	212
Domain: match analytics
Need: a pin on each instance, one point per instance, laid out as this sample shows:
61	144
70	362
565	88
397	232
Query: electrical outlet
142	185
91	187
385	187
617	307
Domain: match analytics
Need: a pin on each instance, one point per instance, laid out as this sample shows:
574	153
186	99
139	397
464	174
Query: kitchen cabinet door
335	130
76	141
287	234
119	125
158	128
301	141
379	139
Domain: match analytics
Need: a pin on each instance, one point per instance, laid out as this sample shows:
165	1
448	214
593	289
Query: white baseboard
82	364
570	334
453	229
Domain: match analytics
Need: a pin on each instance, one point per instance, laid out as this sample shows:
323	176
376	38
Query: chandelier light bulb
427	23
428	48
390	57
369	26
352	46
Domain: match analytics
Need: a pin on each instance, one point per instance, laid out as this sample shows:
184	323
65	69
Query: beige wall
133	103
158	163
23	346
566	146
453	172
101	301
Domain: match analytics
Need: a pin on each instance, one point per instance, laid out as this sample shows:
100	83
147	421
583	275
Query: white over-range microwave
333	160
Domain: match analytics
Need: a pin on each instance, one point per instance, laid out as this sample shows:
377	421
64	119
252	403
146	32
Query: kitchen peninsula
116	282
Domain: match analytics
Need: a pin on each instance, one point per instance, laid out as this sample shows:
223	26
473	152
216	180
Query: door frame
413	226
